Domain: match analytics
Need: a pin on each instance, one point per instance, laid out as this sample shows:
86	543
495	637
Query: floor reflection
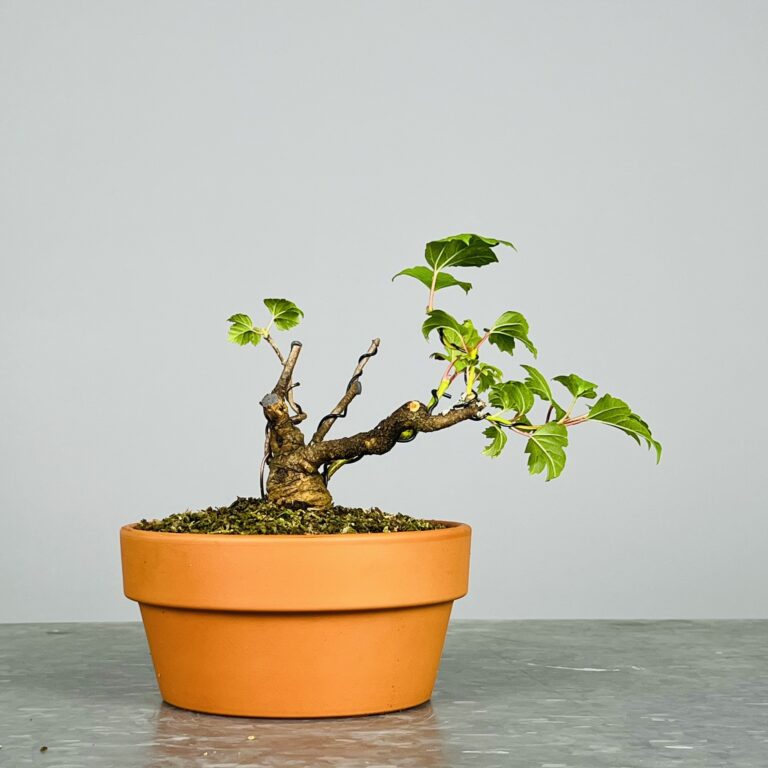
408	739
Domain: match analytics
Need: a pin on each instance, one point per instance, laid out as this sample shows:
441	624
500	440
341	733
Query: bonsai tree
301	464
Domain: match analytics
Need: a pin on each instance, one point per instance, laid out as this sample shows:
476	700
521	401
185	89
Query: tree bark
295	478
292	480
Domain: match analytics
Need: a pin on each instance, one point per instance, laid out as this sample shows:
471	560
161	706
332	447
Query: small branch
507	424
284	382
274	346
566	415
445	382
530	428
337	413
362	361
354	388
284	386
383	437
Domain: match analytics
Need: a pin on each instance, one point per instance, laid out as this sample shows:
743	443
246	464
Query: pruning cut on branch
299	471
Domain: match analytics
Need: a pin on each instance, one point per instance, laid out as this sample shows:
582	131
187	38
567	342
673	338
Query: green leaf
285	313
537	383
461	338
498	440
470	338
512	396
510	327
461	362
440	321
242	330
487	376
577	386
540	386
444	279
546	450
610	410
462	251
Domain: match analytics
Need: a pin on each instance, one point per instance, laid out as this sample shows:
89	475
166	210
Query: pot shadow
410	738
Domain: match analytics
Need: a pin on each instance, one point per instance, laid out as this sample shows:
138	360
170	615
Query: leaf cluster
510	401
284	315
465	250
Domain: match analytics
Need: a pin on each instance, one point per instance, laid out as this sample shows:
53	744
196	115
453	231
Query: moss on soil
254	516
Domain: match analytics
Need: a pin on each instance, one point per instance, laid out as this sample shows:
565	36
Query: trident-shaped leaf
538	384
487	376
512	396
498	440
442	322
577	386
285	314
426	275
242	330
510	327
465	250
610	410
546	450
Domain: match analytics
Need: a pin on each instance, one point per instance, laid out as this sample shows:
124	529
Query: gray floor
533	694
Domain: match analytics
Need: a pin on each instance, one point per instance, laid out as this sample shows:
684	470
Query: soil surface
254	516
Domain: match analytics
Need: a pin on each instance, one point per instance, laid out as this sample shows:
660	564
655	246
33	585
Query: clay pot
296	626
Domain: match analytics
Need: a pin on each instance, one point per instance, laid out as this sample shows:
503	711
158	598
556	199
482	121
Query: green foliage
577	386
468	339
453	334
538	384
462	251
459	359
510	327
440	321
512	396
513	400
426	275
456	251
610	410
285	314
507	329
487	376
546	450
242	330
498	440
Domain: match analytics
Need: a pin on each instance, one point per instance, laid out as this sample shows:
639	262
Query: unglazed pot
292	625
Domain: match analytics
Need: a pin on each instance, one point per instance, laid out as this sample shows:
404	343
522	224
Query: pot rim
284	573
452	529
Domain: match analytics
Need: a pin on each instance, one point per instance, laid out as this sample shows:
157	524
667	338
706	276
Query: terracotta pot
296	626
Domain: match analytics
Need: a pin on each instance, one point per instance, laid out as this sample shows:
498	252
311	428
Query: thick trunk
294	467
296	488
293	481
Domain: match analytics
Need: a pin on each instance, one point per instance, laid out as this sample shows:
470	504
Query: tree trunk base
292	488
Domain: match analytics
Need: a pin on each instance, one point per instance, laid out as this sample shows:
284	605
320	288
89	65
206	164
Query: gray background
167	164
